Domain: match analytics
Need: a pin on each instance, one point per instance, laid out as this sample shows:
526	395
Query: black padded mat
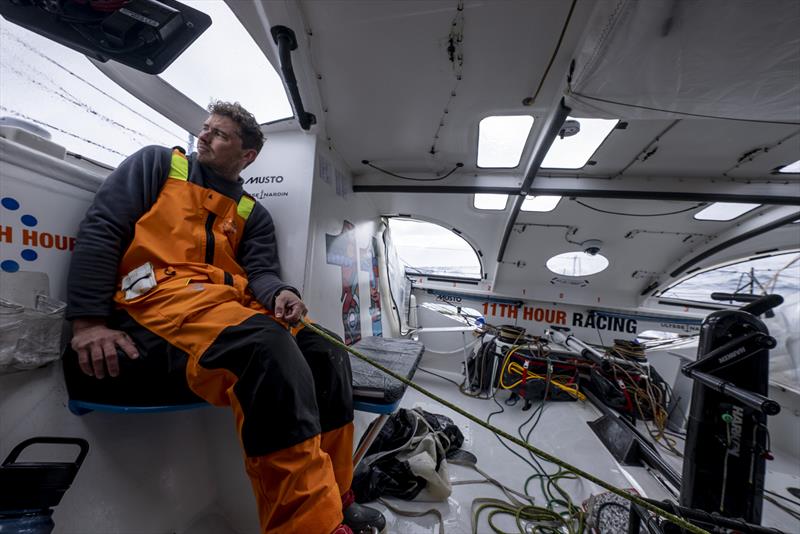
400	355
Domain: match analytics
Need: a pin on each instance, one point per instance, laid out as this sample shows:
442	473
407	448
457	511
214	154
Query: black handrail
285	39
546	137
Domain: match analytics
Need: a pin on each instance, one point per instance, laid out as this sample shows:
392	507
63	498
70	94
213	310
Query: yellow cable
572	391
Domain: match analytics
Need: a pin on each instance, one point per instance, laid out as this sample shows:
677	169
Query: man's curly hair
249	131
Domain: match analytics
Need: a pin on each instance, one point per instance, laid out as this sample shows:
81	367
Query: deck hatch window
206	72
501	140
490	201
574	151
724	211
577	264
540	203
429	249
792	168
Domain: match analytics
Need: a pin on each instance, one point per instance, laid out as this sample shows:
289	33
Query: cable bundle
560	380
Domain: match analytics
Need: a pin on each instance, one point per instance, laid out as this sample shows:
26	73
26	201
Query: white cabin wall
280	179
143	473
333	206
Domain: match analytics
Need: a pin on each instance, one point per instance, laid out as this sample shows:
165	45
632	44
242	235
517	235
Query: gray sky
59	89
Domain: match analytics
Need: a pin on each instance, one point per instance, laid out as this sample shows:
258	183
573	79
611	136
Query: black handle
763	304
748	398
285	39
82	443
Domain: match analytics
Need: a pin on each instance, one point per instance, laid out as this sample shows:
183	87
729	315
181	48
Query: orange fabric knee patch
338	443
295	490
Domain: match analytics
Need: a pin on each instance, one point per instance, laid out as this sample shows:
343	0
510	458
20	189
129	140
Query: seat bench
373	391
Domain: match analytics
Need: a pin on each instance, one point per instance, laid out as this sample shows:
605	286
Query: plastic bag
30	338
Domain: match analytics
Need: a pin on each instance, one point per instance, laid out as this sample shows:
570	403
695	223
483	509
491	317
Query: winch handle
748	398
763	305
756	304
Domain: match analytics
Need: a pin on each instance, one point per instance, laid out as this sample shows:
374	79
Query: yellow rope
678	521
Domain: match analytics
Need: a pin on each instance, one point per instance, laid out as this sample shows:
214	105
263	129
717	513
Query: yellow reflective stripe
179	168
245	207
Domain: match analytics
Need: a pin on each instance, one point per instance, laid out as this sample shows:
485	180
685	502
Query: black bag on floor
407	457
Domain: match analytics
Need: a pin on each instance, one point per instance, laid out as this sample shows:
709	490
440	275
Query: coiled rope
678	521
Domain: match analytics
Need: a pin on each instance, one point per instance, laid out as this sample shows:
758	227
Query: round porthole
577	264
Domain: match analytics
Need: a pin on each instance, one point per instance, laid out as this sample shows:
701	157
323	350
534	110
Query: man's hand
289	307
96	345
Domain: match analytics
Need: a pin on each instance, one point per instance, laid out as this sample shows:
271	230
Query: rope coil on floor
678	521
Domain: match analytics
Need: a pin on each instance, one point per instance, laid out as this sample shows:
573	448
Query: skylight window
574	151
724	211
540	203
501	140
226	64
490	201
577	264
792	168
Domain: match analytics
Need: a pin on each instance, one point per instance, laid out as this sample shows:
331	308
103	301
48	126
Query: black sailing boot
361	519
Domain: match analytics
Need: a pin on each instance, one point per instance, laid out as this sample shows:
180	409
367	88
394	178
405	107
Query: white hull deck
562	431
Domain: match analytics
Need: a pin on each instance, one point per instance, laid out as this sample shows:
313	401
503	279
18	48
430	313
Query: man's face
219	146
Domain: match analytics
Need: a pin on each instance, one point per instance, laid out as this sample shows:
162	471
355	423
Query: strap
179	167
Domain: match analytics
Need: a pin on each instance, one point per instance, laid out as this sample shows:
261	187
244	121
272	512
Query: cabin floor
186	468
562	431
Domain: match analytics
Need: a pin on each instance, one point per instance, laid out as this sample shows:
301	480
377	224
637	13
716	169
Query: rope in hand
678	521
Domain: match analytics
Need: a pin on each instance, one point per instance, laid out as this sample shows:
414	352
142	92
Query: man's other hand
96	345
289	307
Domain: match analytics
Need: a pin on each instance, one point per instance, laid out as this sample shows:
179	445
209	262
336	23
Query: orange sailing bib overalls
297	453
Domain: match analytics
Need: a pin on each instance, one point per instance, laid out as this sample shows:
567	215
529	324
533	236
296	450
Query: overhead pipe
552	127
285	39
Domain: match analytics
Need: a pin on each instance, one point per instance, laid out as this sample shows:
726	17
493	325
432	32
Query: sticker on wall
261	187
341	250
325	170
369	263
342	184
29	235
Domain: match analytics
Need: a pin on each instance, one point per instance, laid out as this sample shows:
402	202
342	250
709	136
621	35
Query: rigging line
678	521
555	53
26	117
384	171
90	84
774	280
65	95
639	214
686	113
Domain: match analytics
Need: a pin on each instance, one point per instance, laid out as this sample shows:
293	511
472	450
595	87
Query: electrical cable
390	173
639	214
555	53
439	376
684	113
779	496
795	514
678	521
